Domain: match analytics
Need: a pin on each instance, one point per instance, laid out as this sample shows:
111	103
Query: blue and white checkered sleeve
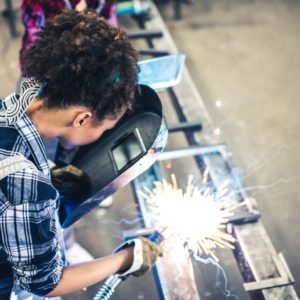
29	231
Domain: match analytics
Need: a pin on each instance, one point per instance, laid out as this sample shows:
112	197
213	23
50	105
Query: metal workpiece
170	154
221	173
186	92
174	272
153	52
265	272
190	126
176	275
145	34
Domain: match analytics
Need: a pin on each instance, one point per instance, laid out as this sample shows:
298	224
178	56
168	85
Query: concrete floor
244	57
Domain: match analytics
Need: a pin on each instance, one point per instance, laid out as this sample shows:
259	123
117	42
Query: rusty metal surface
262	261
176	279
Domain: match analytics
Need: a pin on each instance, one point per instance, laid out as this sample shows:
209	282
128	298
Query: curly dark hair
84	61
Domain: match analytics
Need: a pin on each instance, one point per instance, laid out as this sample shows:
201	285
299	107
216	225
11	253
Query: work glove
70	181
145	254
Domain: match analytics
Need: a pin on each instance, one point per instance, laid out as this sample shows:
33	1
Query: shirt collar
16	105
14	113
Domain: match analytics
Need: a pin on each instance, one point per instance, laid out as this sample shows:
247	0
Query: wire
220	270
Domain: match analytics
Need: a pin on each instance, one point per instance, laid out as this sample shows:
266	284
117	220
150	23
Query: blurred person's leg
74	252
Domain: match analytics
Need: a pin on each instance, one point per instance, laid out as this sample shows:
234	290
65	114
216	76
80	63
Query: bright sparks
193	217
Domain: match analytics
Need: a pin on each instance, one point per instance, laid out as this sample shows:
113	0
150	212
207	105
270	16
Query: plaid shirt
30	252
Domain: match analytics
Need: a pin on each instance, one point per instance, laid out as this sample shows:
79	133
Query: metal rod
145	34
191	151
185	126
167	271
153	52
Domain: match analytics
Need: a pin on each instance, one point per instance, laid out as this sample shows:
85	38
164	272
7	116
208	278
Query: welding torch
109	286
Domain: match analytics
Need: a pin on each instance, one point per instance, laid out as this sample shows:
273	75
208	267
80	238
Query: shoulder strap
13	164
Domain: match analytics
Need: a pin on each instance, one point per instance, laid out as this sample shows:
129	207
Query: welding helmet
119	155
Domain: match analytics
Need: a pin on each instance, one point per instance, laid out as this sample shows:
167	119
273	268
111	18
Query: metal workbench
264	271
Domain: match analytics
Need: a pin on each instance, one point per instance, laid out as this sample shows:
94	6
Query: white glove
145	254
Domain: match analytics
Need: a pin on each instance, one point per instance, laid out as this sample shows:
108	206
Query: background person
34	14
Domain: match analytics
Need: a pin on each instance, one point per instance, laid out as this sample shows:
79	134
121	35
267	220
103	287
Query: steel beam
265	272
174	270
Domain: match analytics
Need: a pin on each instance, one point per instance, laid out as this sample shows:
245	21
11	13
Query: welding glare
194	217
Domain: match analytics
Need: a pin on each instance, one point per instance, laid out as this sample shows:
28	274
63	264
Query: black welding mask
120	155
